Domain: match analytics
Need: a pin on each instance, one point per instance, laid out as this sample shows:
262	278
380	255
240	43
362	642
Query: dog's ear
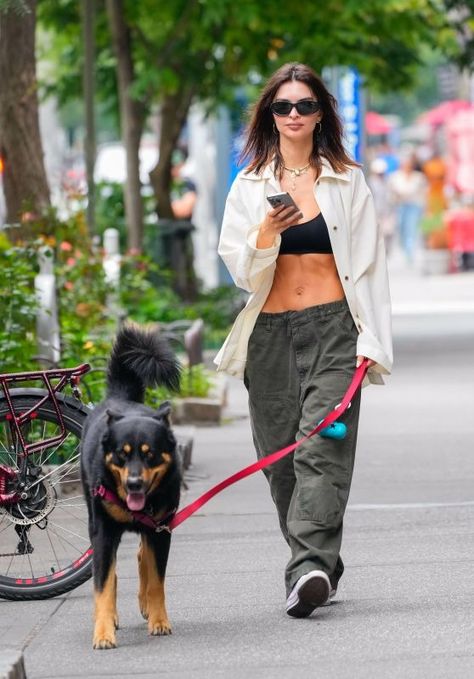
113	416
164	412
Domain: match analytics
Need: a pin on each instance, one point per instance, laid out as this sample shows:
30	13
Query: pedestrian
408	186
183	188
319	303
435	171
384	209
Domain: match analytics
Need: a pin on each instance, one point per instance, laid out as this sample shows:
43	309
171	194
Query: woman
319	303
408	186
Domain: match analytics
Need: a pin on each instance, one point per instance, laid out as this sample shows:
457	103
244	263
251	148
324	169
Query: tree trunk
132	117
176	242
174	111
24	180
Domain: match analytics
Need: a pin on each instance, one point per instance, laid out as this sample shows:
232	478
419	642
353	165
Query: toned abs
302	281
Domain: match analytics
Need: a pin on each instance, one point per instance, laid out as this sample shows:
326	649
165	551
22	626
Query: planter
195	410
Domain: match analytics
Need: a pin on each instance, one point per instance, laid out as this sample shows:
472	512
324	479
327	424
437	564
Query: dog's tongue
136	501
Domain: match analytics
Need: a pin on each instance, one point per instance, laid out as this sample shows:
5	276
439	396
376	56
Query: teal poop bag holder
336	430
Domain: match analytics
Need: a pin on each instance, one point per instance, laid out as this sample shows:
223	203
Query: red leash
186	512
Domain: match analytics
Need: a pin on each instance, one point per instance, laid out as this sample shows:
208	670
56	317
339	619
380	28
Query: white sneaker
311	591
332	594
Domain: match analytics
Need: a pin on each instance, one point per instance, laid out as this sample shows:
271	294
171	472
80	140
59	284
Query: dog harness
139	517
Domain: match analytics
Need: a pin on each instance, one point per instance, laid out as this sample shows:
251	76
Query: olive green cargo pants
299	366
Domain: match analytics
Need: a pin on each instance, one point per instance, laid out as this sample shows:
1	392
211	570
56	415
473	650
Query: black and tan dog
131	477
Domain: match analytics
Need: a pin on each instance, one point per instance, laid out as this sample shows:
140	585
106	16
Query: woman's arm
247	263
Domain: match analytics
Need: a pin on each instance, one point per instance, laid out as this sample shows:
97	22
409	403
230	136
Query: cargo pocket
320	502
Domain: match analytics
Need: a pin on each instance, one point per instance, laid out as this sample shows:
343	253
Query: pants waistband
302	315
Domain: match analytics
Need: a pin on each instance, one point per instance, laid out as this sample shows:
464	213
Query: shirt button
346	278
335	228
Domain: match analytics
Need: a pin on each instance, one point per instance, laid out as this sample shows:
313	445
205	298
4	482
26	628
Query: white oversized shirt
357	243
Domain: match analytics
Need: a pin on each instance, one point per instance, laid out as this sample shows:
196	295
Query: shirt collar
326	171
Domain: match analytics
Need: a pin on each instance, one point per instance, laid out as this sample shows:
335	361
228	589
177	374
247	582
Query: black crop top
308	237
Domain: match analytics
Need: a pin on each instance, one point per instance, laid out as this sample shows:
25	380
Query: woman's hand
277	220
363	358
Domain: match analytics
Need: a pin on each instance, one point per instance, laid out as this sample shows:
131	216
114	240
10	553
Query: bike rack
64	375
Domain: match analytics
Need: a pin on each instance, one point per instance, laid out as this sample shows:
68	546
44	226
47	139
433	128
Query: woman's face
294	126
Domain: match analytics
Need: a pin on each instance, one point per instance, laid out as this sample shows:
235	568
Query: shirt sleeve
370	277
246	263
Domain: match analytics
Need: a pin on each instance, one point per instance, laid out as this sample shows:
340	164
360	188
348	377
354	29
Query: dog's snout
135	484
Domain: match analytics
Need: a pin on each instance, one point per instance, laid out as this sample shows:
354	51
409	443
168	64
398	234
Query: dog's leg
105	589
143	575
155	554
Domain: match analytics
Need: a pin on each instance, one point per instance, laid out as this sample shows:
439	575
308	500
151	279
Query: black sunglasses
305	107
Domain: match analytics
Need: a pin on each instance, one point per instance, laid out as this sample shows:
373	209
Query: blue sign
350	110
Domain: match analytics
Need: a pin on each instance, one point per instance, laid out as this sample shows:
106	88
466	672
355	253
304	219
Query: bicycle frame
16	420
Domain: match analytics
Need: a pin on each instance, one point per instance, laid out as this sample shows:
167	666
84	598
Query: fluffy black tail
140	358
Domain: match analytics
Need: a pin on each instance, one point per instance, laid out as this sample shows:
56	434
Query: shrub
17	308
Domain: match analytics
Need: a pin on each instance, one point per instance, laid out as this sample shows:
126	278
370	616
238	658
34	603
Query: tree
25	184
184	51
132	119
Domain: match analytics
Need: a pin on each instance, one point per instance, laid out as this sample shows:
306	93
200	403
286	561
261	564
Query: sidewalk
404	608
415	293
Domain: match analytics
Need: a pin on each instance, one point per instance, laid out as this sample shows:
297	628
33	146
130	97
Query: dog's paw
104	634
159	628
143	606
104	642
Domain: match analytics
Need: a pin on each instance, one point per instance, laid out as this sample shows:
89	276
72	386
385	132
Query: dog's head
139	452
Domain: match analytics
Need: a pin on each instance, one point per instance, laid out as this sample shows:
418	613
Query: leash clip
164	527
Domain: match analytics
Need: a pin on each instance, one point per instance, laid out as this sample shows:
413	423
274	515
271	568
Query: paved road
404	608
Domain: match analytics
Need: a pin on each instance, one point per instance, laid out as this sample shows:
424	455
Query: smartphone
279	199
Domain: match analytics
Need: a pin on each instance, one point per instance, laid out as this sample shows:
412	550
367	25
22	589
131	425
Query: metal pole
88	23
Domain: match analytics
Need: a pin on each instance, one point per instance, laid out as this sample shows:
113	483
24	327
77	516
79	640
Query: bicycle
44	541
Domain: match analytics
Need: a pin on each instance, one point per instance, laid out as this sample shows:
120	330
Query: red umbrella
376	123
443	112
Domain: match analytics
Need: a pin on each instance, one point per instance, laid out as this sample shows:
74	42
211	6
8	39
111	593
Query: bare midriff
302	281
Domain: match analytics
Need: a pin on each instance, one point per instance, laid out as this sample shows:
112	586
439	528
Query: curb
11	664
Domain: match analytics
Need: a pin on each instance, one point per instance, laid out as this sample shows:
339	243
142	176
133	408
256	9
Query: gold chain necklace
295	172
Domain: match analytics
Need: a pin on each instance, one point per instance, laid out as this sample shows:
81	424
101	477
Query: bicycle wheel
44	540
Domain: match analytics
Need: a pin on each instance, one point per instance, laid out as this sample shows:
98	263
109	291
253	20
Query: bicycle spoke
53	471
70	532
54	551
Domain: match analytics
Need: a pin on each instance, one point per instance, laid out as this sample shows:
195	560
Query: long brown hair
262	143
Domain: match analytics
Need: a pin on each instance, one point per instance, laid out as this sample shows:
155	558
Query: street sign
350	110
